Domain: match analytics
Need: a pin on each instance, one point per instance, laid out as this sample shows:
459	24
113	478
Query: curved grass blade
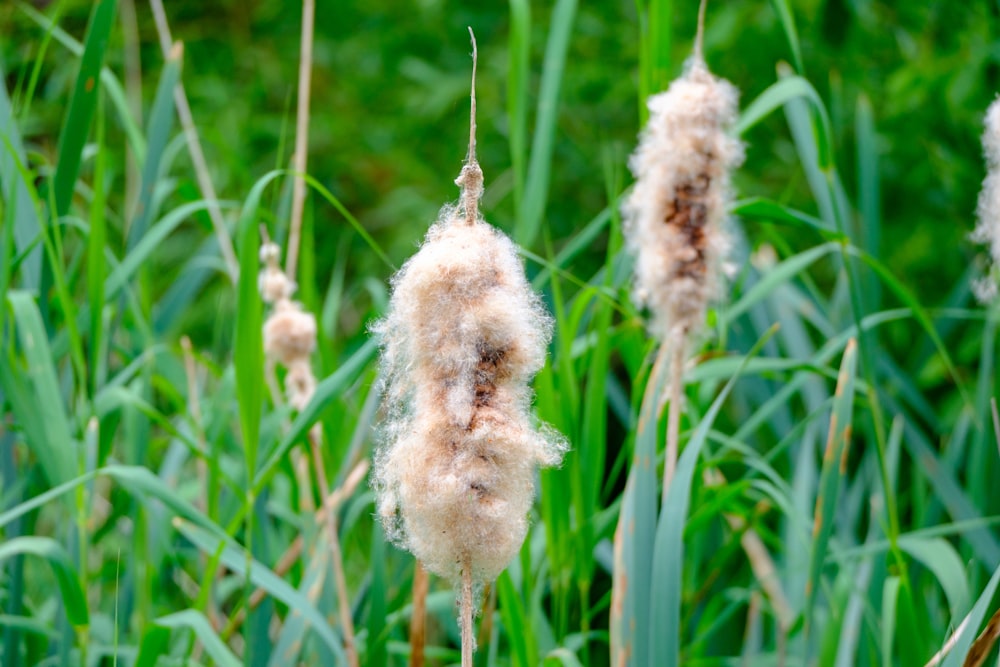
82	104
668	550
326	392
784	12
195	621
971	624
35	397
519	48
59	560
248	345
235	558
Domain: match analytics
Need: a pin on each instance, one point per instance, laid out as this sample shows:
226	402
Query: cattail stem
471	177
344	604
418	619
466	614
674	410
700	34
301	136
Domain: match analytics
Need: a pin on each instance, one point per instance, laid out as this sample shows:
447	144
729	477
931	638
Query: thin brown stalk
466	612
194	148
294	550
418	618
674	410
981	648
471	178
301	136
700	34
343	602
758	556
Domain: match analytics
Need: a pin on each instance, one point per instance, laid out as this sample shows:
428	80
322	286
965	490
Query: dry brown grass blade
418	618
980	648
757	554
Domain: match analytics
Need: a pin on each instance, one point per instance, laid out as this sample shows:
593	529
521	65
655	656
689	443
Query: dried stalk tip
675	215
987	229
463	337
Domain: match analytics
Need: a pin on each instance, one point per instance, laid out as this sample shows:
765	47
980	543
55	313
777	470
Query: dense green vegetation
151	481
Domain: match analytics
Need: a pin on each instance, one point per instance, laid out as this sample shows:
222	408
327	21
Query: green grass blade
66	575
235	558
76	127
972	621
26	226
326	392
519	49
35	397
96	263
659	61
869	197
832	473
111	84
540	167
784	12
195	621
248	346
666	582
161	122
940	557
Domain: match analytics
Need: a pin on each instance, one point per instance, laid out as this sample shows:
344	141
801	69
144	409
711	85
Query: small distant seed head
675	215
289	333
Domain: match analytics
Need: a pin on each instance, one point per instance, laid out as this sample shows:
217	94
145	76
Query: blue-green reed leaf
956	657
76	126
326	392
161	122
666	581
65	573
27	228
832	473
33	390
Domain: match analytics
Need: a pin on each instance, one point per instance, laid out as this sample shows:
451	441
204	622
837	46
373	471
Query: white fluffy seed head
464	335
674	218
289	333
988	210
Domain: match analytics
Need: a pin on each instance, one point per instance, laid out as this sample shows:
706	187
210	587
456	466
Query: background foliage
146	557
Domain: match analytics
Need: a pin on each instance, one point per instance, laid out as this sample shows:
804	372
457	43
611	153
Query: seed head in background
463	337
674	218
987	229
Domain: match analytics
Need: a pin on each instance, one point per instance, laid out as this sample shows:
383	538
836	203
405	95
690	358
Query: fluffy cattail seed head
675	215
988	211
289	333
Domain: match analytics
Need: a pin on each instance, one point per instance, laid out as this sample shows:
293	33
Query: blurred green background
390	95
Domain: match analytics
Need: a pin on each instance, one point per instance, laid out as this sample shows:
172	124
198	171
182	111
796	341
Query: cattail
463	337
674	218
988	211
